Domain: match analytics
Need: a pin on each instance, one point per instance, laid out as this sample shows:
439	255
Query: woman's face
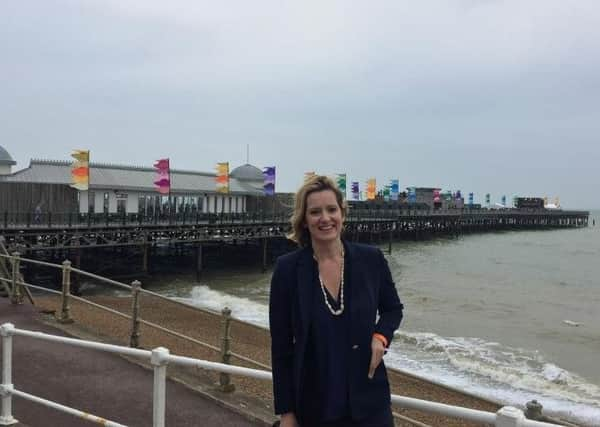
323	216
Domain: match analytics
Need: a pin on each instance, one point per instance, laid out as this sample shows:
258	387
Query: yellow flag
81	155
222	178
80	170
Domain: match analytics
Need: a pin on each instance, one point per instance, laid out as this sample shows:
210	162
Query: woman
327	343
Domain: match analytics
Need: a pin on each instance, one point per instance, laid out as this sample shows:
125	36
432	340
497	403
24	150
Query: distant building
529	202
124	189
6	162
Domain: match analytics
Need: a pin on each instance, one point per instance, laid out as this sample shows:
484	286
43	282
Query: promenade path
99	383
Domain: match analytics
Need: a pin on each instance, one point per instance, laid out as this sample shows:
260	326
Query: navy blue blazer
369	288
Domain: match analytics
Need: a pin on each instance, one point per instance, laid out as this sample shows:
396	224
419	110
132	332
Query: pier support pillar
390	240
145	258
199	265
264	257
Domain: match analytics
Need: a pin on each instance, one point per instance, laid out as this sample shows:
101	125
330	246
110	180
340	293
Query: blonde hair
300	233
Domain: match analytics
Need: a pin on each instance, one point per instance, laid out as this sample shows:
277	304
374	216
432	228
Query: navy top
326	360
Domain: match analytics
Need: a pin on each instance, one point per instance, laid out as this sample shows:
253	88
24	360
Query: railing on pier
160	358
49	220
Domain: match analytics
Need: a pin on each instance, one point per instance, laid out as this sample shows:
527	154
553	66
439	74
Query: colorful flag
222	178
269	184
395	189
355	190
80	170
371	188
386	193
412	195
471	197
162	182
436	195
340	180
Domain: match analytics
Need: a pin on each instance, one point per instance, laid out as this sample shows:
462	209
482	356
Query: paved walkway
99	383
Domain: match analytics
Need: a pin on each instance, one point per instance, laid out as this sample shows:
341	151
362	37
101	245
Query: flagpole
170	202
89	184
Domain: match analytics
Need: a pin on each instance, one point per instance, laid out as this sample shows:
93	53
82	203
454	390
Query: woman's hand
377	352
288	420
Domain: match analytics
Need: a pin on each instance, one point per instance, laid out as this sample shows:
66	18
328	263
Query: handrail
65	409
178	335
32	261
102	279
126	316
160	358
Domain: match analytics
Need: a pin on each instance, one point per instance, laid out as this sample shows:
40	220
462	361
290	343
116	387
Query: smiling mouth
326	228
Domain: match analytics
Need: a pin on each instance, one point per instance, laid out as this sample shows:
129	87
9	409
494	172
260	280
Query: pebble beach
250	341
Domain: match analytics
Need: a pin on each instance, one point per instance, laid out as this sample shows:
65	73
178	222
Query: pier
259	236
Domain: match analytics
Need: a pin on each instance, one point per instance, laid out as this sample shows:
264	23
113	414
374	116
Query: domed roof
247	172
5	158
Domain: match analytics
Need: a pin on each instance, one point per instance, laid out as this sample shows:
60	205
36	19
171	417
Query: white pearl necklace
341	309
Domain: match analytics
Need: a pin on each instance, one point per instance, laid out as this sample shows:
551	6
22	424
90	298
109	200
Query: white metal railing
160	358
16	283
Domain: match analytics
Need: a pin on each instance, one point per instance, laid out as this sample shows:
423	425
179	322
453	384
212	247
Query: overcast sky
484	96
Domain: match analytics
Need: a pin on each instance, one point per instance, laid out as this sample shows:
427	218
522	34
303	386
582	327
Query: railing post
65	313
6	387
534	410
16	297
224	378
159	362
134	340
509	416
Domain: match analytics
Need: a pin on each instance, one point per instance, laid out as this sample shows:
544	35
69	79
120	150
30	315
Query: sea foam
488	369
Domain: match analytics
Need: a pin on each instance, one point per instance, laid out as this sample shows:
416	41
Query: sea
511	316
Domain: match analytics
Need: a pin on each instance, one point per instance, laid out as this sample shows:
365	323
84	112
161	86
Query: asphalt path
96	382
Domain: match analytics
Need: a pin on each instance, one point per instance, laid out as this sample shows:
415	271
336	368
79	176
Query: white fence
160	358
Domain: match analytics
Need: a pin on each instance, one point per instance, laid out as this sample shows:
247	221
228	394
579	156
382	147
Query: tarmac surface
96	382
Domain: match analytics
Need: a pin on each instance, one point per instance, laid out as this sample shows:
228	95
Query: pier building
44	186
6	162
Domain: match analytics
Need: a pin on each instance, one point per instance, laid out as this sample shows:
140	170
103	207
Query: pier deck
69	231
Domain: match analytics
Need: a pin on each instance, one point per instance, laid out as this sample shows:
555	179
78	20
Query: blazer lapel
306	287
350	265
